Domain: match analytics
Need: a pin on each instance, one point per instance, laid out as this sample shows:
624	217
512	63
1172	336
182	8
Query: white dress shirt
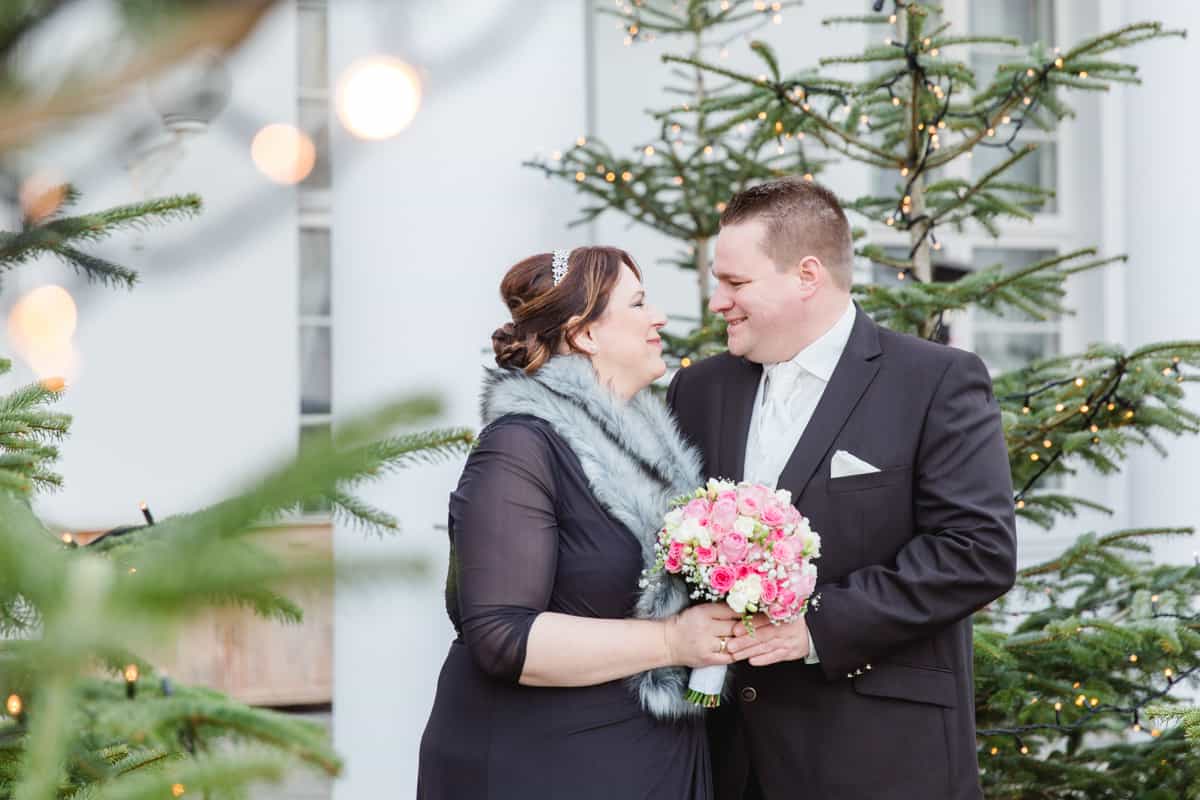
788	394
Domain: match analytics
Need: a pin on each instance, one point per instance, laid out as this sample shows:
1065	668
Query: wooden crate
260	661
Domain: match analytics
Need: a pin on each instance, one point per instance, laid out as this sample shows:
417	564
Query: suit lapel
854	373
737	405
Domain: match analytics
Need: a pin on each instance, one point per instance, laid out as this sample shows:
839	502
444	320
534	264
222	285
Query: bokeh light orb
378	97
283	153
43	316
40	327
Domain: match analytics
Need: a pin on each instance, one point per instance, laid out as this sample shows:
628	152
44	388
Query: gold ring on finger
724	648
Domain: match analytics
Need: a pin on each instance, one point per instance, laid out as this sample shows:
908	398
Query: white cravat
783	391
788	395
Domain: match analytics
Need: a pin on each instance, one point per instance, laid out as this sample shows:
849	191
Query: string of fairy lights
1093	707
1090	709
15	705
1014	108
1090	705
1103	397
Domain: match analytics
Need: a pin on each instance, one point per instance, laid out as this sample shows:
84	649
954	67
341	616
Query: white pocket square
844	465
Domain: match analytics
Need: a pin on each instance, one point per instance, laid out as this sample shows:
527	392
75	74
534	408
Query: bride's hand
696	637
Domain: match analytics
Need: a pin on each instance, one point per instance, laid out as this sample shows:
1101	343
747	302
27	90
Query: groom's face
760	303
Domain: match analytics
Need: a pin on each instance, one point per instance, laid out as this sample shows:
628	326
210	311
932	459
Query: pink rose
721	578
777	534
791	516
742	571
697	509
778	612
748	503
755	553
804	582
786	551
786	598
706	555
772	515
733	546
673	564
728	494
717	532
724	513
770	590
675	550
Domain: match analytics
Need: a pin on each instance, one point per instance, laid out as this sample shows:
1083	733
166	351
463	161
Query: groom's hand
770	644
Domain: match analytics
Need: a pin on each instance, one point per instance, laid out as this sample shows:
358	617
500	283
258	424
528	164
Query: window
1014	339
1028	21
315	336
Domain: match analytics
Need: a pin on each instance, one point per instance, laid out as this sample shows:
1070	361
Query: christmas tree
1079	669
85	715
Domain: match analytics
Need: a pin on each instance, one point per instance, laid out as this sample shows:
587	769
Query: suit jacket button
749	694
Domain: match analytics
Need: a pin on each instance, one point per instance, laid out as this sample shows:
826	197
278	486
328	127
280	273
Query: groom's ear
811	273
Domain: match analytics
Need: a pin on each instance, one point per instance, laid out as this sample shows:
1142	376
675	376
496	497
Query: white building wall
1162	284
424	226
186	386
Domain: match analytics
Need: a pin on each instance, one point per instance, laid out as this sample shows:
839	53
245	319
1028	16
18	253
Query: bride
565	679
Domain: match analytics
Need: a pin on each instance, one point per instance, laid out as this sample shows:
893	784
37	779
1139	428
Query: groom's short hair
803	219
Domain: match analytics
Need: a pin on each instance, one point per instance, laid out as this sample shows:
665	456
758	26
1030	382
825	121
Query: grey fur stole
635	461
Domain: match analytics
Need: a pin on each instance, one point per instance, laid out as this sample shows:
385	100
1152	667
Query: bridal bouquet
745	544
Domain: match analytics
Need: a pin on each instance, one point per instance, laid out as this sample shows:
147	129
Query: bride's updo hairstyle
545	317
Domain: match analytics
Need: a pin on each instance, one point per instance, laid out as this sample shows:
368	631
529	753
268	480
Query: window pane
1027	20
316	384
314	120
313	66
1039	168
1010	260
884	275
1003	351
1006	341
314	272
314	434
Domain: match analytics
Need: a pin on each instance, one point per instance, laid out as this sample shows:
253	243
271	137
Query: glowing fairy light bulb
40	326
378	97
283	153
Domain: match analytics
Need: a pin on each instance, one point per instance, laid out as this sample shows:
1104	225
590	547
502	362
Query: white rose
745	526
736	600
783	496
753	587
673	519
746	591
689	531
812	545
719	486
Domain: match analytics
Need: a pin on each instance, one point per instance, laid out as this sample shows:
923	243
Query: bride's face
624	344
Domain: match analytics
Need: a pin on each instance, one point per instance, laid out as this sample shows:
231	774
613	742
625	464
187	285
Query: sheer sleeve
504	538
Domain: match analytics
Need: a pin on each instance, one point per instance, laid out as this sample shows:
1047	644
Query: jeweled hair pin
560	265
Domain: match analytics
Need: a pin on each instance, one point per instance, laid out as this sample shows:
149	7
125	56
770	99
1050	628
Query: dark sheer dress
527	536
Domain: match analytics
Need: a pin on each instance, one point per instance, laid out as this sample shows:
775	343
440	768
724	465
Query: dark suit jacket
908	553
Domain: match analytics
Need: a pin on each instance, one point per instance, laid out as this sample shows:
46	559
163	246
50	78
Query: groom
892	447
